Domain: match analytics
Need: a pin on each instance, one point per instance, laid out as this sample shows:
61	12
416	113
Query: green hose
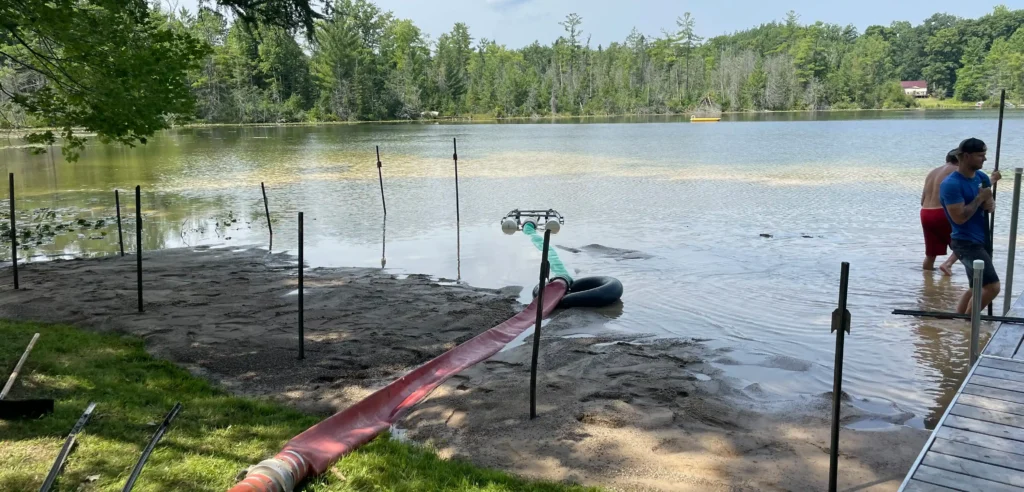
557	268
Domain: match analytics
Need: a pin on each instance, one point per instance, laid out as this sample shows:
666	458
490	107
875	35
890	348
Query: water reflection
943	345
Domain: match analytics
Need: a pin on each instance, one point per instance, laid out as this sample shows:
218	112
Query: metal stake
380	176
302	266
458	219
17	368
138	240
14	235
979	267
149	447
1012	249
841	326
266	208
536	329
455	157
58	465
120	234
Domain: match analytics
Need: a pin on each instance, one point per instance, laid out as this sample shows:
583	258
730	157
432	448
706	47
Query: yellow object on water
694	119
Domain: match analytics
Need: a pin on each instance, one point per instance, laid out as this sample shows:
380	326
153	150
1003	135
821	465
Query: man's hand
995	177
989	206
984	195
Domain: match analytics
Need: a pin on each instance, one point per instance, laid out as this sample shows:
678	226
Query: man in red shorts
933	218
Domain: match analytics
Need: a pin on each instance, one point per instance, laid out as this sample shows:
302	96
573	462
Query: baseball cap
971	145
951	156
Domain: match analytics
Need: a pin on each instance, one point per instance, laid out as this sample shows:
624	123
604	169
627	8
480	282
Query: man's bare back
930	195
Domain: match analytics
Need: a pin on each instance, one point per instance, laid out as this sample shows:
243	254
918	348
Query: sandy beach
617	411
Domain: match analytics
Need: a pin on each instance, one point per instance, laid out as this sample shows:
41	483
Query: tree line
365	64
126	68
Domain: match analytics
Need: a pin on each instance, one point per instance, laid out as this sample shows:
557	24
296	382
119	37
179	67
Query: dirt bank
615	411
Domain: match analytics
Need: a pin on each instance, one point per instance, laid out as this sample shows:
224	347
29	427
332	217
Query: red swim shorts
936	231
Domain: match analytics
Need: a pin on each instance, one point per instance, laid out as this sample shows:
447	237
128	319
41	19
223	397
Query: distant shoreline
10	136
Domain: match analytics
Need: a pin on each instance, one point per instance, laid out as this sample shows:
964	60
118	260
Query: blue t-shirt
957	188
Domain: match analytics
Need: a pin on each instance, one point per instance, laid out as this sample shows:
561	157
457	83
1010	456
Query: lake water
696	197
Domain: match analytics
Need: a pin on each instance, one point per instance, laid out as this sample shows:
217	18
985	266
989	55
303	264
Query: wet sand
630	415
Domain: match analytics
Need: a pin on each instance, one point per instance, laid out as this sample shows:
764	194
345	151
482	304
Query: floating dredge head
548	219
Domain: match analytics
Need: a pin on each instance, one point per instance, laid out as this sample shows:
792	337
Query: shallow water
694	197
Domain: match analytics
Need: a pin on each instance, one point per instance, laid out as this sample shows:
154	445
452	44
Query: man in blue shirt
966	194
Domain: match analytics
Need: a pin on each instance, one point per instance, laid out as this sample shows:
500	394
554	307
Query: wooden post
17	368
536	328
120	234
138	241
302	266
14	235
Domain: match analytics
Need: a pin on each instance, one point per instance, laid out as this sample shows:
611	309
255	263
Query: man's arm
960	213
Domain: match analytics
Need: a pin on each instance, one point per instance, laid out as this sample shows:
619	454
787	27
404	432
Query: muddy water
693	201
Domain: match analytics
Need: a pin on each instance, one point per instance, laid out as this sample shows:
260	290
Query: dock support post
841	326
1012	249
979	268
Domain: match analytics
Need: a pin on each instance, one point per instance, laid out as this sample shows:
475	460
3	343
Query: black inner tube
590	292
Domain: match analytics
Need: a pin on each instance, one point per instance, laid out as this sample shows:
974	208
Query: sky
517	23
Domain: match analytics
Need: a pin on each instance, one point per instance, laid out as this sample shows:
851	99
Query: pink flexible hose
312	452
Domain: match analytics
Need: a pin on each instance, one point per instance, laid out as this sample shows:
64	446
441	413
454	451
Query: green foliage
125	69
110	67
213	437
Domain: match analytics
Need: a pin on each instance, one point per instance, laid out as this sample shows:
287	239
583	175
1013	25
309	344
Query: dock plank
1005	341
997	430
997	383
978	453
1006	365
958	481
991	404
918	486
999	374
981	440
975	469
995	393
984	415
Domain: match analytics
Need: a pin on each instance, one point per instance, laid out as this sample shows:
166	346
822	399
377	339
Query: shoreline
15	134
614	411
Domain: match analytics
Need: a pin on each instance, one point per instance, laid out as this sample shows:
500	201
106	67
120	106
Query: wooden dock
978	444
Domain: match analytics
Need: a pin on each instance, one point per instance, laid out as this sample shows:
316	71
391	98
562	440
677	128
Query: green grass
214	437
933	103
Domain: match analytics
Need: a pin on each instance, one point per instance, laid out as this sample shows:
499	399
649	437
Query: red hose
312	452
